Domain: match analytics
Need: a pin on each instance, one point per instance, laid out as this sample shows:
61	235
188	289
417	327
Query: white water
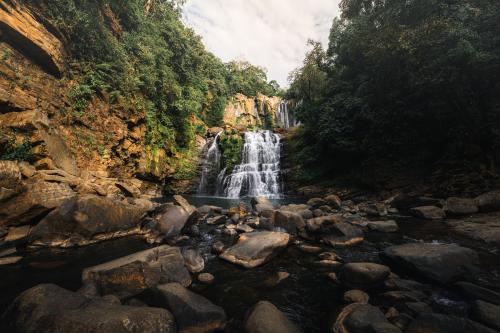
285	116
210	166
259	171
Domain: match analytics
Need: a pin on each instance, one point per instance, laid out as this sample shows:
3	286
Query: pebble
206	278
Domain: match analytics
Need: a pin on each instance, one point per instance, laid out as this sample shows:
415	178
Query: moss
18	152
231	144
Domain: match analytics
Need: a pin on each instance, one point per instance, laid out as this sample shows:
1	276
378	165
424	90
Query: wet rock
403	284
329	256
473	291
328	263
316	202
256	248
218	247
217	220
489	201
192	312
460	206
259	208
260	201
130	275
230	232
210	210
85	220
319	213
276	279
193	260
289	221
404	296
172	220
333	277
323	224
428	212
363	318
49	308
377	209
266	318
482	227
8	252
431	322
443	263
244	228
17	233
416	308
356	296
364	275
486	313
310	248
181	201
302	210
333	201
383	226
10	260
345	235
206	278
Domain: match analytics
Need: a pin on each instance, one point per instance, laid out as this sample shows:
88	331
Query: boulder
49	308
36	200
216	220
181	201
244	228
377	209
363	318
218	247
210	210
460	206
324	224
259	208
172	220
85	220
302	210
333	201
474	292
192	312
489	201
443	263
428	212
132	274
383	226
363	275
289	221
432	322
264	317
194	261
260	201
10	260
482	227
316	202
356	296
17	233
335	231
256	248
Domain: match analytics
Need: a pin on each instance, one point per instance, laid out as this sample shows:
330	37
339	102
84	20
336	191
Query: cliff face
252	111
37	113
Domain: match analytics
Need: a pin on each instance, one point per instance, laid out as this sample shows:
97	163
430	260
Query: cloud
269	33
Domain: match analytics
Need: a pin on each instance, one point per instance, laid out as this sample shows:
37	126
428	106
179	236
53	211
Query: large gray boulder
132	274
291	222
266	318
192	312
256	248
460	206
443	263
172	220
482	227
335	231
85	220
49	308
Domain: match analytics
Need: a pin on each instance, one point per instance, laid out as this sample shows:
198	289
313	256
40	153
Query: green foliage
249	80
18	152
231	145
405	81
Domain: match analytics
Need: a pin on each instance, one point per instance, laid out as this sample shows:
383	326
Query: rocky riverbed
108	263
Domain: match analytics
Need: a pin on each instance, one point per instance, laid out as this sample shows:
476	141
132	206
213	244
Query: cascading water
259	171
210	167
285	117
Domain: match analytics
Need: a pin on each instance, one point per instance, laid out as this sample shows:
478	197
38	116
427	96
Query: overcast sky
268	33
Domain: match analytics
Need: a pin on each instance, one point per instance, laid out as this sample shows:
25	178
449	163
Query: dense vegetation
411	83
139	55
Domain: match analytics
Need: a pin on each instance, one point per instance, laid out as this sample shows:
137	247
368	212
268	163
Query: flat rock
383	226
443	263
256	248
210	210
488	202
310	248
266	318
363	275
244	228
85	220
432	322
460	206
10	260
486	313
428	212
482	227
192	312
206	278
49	308
17	233
130	275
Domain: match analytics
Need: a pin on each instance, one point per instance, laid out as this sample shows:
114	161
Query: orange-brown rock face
250	111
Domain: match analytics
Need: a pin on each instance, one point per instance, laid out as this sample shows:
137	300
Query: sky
268	33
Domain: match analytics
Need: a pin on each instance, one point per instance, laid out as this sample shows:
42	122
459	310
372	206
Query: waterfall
259	171
285	116
210	166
